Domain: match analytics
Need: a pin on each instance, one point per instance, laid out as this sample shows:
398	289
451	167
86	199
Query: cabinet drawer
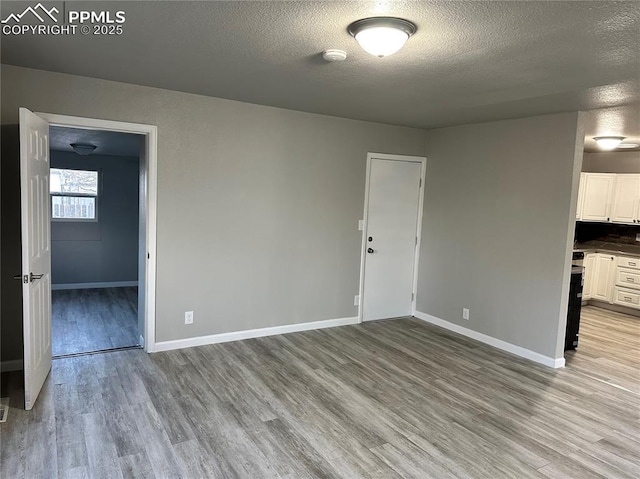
626	297
625	262
628	277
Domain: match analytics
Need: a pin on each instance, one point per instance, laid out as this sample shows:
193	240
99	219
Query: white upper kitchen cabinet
625	199
602	285
580	196
598	195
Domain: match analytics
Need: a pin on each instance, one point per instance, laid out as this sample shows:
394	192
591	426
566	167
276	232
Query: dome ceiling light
83	149
608	143
382	36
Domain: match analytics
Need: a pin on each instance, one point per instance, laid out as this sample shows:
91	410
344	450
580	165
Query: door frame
363	250
150	132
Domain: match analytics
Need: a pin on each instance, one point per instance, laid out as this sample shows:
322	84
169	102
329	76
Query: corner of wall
571	226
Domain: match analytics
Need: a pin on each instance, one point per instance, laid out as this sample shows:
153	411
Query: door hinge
420	182
412	296
416	241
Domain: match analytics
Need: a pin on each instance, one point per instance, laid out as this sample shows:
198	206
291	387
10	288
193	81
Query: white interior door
36	252
391	238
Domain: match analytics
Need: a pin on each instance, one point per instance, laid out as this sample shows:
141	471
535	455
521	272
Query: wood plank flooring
86	320
387	399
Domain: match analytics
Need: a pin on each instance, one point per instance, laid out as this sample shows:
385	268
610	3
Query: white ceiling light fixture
382	36
608	143
627	146
83	149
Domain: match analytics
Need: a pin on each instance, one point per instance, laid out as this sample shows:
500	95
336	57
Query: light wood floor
382	400
85	320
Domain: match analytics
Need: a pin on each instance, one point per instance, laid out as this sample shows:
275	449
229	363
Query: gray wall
106	250
257	206
612	162
497	212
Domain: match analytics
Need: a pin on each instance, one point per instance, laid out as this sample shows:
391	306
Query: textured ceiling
110	143
469	61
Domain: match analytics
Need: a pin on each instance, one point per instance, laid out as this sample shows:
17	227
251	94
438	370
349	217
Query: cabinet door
625	199
602	286
580	197
589	273
598	193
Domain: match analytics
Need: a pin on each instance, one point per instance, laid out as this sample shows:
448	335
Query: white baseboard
114	284
491	341
251	333
13	365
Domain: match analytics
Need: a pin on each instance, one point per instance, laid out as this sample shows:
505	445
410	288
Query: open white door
36	252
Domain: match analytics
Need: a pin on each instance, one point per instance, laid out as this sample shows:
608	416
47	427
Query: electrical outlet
360	225
465	314
356	300
188	317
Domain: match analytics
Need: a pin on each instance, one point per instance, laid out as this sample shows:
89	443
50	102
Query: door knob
369	250
370	239
33	277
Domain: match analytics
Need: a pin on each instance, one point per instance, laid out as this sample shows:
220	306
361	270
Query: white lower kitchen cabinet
604	277
626	297
589	273
626	291
612	279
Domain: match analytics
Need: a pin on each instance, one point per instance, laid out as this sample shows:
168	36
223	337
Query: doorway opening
36	212
95	239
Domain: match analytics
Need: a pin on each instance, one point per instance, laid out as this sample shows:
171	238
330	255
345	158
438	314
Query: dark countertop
611	248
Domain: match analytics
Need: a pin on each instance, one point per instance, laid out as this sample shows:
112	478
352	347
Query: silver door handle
370	250
33	277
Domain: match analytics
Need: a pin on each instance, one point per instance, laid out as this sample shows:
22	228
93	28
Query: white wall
499	212
257	206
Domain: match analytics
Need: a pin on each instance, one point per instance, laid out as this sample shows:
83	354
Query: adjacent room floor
388	399
86	320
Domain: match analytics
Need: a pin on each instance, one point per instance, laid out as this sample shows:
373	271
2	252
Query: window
74	194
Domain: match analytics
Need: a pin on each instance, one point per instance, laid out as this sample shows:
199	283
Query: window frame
97	197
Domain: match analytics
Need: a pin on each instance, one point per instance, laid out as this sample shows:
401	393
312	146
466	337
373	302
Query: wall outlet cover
356	300
188	317
360	225
465	314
